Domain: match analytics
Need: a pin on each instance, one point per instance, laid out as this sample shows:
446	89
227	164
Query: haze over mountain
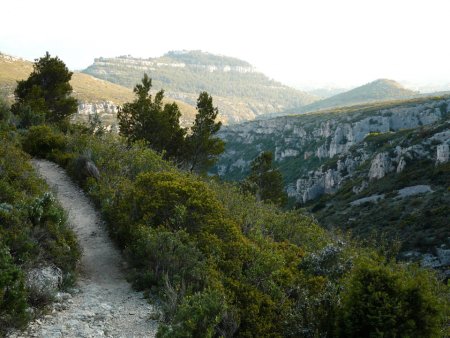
378	90
238	89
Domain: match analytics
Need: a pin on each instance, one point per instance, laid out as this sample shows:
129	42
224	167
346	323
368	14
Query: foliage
43	141
4	111
13	296
265	181
147	119
96	126
202	148
45	95
381	299
33	232
222	263
197	316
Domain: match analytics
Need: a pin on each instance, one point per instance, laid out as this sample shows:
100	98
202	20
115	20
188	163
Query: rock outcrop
380	166
442	153
43	283
318	152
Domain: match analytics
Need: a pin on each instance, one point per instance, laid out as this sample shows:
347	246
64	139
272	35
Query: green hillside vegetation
236	87
223	264
33	233
379	90
218	262
419	222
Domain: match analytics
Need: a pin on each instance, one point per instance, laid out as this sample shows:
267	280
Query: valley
348	167
159	230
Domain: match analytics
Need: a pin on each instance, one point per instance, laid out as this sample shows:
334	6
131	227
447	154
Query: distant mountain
240	92
94	95
379	90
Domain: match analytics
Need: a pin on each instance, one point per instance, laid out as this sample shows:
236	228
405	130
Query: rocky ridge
381	172
239	90
315	148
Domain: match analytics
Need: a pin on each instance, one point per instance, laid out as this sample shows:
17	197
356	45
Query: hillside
241	92
378	90
353	151
95	95
212	261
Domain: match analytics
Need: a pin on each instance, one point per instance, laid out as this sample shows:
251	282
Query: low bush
13	295
43	141
222	263
33	233
389	300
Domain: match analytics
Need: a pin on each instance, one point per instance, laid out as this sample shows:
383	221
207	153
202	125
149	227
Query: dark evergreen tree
202	147
45	95
151	121
265	181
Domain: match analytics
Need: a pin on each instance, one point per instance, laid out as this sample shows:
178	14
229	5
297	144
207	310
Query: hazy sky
315	42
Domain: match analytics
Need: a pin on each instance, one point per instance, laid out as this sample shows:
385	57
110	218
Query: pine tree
202	148
45	95
265	181
151	121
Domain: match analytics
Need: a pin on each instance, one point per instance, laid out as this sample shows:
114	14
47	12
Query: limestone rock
358	189
317	140
444	256
91	170
442	153
380	166
401	165
100	108
44	282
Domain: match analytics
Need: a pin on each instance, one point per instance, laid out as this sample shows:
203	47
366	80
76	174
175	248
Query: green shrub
33	233
391	300
222	263
175	201
5	112
197	316
156	254
13	296
44	142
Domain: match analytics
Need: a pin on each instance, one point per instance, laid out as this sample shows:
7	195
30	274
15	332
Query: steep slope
240	92
95	95
352	151
378	90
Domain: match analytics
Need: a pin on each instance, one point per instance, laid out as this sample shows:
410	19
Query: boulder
380	166
44	282
90	170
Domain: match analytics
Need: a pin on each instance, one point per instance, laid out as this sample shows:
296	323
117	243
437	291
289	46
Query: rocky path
103	303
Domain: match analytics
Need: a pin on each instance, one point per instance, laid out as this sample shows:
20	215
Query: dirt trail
104	304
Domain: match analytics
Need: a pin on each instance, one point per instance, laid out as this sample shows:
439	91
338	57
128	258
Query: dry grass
85	87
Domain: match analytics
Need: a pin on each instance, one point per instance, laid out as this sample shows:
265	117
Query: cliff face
383	173
319	152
